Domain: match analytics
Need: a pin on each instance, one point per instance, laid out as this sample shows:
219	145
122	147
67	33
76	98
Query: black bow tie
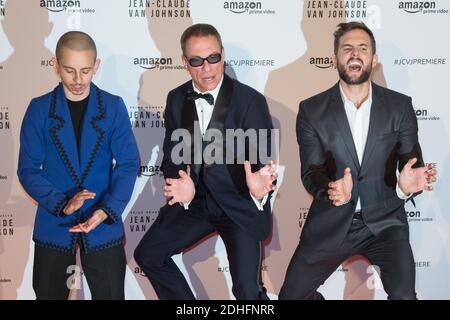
192	95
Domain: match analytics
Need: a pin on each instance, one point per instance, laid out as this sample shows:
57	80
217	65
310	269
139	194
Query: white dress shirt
204	113
359	119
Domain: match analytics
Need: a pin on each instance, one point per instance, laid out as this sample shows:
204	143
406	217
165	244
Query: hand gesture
340	191
260	183
181	189
413	180
90	224
77	201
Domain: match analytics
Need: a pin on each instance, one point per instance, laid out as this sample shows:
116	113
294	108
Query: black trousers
104	270
162	241
393	257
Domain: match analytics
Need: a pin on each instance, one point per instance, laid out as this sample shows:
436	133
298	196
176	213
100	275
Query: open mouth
354	66
207	79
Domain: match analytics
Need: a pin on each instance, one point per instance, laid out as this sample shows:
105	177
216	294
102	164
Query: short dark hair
75	40
199	30
345	27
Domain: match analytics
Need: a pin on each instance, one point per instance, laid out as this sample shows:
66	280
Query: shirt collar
346	100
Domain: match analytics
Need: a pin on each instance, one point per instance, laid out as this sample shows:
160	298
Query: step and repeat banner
282	48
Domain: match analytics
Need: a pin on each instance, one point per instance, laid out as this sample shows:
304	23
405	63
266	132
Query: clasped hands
75	203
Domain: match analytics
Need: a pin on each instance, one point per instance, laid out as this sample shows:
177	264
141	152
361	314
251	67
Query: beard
365	75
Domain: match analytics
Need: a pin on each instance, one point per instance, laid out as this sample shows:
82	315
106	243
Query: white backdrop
281	48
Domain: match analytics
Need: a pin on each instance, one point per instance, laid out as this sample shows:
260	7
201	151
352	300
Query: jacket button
352	202
360	178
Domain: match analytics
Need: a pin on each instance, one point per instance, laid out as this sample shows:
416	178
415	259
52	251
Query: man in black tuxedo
207	196
353	138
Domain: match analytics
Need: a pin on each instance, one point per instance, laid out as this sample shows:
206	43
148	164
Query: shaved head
75	40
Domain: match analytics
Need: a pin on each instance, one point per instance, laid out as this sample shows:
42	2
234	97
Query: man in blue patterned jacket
79	161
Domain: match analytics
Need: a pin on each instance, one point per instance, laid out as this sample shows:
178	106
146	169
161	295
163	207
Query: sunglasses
198	61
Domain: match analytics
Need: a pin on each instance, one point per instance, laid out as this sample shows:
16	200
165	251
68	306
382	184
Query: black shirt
77	110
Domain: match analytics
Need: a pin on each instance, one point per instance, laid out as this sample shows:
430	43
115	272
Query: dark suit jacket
237	107
327	148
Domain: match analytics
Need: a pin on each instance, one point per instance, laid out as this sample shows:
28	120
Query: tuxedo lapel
189	121
62	133
340	117
189	113
221	109
222	104
93	130
189	118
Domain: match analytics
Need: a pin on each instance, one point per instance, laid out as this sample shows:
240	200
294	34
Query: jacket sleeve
258	118
126	155
31	159
409	146
170	169
313	159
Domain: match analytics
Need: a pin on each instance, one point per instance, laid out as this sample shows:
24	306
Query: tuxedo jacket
237	107
327	148
51	171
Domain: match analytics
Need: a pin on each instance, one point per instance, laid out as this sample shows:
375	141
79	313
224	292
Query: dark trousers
104	270
393	257
162	241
